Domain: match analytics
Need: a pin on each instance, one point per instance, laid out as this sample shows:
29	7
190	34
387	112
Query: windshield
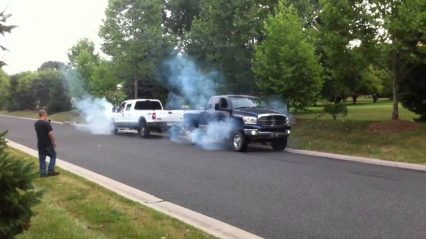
247	102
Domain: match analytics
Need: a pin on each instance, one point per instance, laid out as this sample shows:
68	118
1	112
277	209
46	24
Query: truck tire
239	141
143	130
114	128
279	144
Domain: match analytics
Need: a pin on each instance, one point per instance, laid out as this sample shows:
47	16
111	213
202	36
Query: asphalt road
274	195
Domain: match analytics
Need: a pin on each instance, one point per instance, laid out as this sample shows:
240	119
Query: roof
142	100
242	96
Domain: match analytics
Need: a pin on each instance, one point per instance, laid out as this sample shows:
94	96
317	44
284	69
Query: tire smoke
96	113
190	85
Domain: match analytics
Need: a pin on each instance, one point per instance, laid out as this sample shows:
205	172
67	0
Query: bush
413	92
17	194
336	109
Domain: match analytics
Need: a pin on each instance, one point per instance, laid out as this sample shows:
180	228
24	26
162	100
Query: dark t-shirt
42	129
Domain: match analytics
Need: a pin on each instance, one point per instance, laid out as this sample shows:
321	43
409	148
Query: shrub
413	92
17	194
336	109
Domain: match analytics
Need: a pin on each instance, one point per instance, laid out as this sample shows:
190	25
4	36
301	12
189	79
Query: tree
180	16
17	195
224	37
104	83
37	90
83	60
413	88
21	95
4	29
403	23
4	88
134	38
347	47
59	99
285	61
52	65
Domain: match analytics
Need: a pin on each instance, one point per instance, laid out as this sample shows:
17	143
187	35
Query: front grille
272	120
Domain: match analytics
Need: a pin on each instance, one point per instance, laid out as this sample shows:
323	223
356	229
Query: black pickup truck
251	119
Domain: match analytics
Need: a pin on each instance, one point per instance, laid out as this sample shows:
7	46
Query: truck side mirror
114	109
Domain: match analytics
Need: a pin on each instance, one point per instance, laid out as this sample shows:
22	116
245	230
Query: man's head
42	114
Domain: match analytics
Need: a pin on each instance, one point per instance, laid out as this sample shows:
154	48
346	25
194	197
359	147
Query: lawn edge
359	159
202	222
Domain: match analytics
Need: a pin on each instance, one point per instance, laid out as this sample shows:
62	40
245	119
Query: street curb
410	166
33	119
207	224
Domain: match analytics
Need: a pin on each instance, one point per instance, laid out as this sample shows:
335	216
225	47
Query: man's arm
52	138
50	134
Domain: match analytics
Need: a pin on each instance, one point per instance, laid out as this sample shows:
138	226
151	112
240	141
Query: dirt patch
393	126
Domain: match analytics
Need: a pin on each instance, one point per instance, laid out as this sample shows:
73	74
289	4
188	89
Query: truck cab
252	121
143	115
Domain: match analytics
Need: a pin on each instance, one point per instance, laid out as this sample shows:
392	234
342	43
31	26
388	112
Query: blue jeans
42	153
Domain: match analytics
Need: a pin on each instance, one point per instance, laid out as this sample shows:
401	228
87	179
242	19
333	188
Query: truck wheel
239	142
144	131
279	144
115	131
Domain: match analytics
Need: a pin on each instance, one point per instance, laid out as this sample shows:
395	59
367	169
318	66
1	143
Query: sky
46	29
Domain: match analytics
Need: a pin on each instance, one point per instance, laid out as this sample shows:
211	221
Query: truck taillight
154	116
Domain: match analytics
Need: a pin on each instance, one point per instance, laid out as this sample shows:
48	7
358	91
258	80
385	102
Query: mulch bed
393	126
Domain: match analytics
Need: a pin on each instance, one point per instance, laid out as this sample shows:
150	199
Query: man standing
46	145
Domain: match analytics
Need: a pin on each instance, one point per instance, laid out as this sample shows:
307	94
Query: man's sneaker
54	173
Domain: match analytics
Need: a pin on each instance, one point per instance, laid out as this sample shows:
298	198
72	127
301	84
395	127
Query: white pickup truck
145	116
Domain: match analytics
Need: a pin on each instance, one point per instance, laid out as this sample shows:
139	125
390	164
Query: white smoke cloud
191	85
215	136
188	83
97	115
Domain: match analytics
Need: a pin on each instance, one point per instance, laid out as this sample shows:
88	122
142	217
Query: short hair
42	113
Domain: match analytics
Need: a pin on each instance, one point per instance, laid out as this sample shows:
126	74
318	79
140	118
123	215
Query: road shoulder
207	224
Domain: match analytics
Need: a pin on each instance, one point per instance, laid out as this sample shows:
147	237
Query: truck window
212	102
148	105
121	108
223	103
128	106
155	105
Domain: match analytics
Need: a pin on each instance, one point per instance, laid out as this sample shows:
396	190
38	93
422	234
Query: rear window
147	105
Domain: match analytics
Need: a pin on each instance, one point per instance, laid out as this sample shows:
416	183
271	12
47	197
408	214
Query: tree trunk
136	86
395	99
354	98
375	98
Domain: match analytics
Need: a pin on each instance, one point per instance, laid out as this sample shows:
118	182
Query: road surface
271	194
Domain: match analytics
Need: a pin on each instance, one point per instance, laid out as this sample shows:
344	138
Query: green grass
355	138
364	110
71	116
352	134
73	207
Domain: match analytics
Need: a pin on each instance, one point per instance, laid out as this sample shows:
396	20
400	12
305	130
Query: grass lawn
365	131
72	207
364	110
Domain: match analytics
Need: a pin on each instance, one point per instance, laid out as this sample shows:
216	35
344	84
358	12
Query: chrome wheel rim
237	141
